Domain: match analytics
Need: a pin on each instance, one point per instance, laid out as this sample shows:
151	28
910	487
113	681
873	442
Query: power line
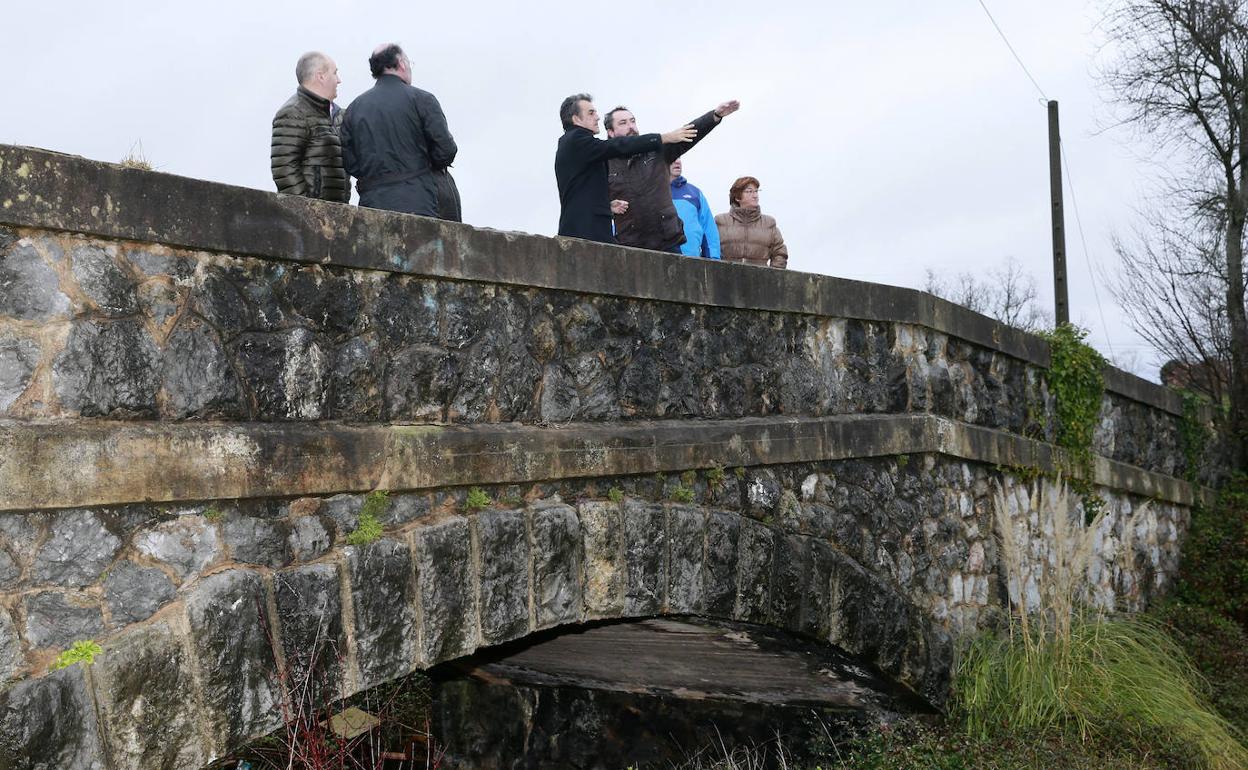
1017	58
1070	182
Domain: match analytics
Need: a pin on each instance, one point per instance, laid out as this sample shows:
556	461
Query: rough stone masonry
199	385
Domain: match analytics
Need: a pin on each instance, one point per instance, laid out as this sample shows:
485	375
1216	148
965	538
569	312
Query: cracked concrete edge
54	191
80	464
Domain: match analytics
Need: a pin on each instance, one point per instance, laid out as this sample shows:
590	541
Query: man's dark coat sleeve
703	124
442	147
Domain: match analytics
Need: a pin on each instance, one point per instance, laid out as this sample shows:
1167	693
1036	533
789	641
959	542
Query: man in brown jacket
639	185
306	151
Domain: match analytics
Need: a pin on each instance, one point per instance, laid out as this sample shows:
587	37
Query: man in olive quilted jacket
306	153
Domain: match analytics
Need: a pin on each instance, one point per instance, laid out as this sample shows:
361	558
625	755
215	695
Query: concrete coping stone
81	464
50	190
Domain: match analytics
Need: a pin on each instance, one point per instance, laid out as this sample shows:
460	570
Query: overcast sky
889	136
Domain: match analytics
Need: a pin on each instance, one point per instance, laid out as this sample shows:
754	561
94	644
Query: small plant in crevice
213	514
82	651
689	478
715	476
615	494
369	529
477	500
739	472
682	494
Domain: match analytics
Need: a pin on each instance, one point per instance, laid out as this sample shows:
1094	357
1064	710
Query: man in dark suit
395	140
581	167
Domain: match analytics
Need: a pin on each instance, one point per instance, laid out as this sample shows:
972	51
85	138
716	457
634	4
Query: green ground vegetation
1166	690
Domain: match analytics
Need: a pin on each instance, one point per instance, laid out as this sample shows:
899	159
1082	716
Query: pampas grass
1064	666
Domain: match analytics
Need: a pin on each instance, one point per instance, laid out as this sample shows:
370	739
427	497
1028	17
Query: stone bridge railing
199	384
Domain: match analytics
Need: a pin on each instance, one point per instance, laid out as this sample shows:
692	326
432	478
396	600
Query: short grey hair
309	64
571	107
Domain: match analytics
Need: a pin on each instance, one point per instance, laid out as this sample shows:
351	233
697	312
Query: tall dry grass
1066	666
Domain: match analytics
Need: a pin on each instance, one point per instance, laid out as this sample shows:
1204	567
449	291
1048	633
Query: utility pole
1061	301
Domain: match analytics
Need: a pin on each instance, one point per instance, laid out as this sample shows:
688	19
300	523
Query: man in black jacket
581	167
647	219
395	139
306	152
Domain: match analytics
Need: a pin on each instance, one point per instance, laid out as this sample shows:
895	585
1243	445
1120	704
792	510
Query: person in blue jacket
701	234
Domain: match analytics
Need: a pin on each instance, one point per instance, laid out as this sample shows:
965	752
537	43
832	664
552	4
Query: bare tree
1007	293
1178	70
1172	286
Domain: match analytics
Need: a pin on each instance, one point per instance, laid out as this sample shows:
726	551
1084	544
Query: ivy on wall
1077	384
1193	435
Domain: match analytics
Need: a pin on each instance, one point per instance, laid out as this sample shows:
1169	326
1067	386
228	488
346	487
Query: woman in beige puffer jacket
746	234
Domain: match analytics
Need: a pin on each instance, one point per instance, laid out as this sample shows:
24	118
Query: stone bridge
237	427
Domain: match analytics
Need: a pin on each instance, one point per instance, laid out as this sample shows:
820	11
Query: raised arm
592	149
703	124
290	141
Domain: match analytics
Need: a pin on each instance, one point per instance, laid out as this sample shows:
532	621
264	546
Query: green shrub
1219	649
1214	570
82	651
615	494
369	529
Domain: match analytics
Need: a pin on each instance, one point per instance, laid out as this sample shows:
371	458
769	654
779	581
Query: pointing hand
727	108
685	133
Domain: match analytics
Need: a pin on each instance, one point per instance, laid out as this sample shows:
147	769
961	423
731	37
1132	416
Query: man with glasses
395	140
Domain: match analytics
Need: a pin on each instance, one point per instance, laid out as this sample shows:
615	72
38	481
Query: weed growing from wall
715	476
477	500
83	651
682	494
369	528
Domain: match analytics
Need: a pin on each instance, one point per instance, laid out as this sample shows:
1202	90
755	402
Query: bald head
317	72
389	59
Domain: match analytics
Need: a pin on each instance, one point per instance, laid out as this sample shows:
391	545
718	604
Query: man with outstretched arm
581	167
639	184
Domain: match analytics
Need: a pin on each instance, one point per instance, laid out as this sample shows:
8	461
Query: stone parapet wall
125	330
146	296
200	383
888	558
